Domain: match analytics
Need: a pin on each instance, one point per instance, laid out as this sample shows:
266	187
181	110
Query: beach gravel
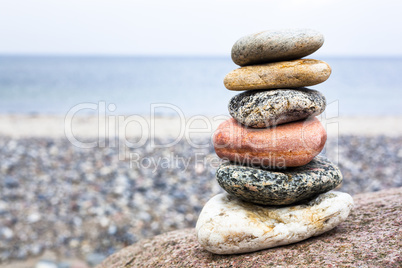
56	196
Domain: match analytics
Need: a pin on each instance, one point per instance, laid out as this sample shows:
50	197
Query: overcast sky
188	27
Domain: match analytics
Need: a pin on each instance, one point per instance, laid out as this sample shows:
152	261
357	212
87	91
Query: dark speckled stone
285	187
260	109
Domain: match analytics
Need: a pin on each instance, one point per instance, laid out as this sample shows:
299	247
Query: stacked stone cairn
277	185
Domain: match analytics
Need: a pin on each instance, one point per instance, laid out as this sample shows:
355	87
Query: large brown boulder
370	237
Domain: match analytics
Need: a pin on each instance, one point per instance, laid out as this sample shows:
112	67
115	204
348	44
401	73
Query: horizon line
106	55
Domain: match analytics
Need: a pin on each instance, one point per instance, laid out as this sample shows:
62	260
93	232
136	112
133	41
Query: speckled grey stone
276	45
260	109
280	187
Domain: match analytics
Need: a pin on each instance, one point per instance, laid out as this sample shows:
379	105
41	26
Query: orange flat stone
288	145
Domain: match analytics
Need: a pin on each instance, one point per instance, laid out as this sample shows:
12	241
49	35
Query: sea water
193	85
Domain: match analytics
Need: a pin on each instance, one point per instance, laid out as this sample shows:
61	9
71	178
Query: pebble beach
58	197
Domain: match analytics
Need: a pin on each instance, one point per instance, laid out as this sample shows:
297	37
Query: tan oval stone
284	74
288	145
228	225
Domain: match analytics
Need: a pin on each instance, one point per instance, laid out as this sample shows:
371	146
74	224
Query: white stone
7	233
34	217
46	264
228	225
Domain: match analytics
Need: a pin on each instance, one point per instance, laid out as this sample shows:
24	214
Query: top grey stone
276	45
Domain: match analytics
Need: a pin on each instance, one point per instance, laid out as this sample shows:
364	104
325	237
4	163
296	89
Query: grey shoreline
19	125
74	201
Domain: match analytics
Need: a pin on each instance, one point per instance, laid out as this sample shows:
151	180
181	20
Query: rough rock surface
260	109
228	225
369	237
288	145
281	187
284	74
276	45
